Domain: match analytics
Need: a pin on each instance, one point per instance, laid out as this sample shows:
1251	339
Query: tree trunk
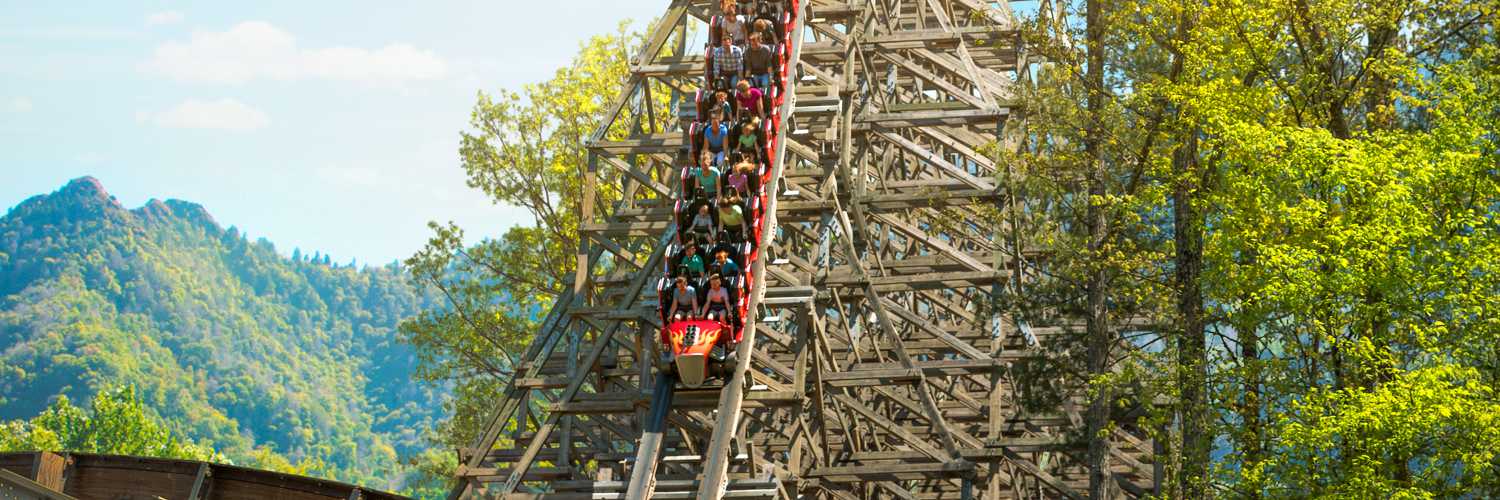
1249	410
1099	341
1192	370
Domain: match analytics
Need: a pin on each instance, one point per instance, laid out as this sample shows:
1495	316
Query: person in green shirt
708	180
692	261
696	176
749	137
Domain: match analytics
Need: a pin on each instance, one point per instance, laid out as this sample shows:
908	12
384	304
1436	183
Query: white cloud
164	18
221	114
20	105
253	50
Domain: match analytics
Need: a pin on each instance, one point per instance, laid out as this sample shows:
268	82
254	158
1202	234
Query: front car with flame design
691	344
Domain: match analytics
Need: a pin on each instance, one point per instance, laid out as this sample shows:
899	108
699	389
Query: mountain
227	341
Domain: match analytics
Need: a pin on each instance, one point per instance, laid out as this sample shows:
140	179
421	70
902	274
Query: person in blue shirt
715	135
724	267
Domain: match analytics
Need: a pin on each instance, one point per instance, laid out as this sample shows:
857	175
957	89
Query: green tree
526	149
1373	268
1315	183
432	475
116	423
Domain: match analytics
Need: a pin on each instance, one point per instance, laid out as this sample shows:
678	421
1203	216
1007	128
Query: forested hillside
230	343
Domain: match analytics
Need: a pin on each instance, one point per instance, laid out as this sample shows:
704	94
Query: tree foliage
116	423
232	345
1303	200
526	149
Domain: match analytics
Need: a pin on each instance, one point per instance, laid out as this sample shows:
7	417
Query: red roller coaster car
691	349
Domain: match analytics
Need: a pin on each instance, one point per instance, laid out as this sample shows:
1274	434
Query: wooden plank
911	318
895	429
641	177
10	482
600	344
933	159
513	395
48	470
893	472
1046	478
943	247
933	78
652	46
937	117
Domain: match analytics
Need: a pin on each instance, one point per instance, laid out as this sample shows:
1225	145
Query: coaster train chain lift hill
871	361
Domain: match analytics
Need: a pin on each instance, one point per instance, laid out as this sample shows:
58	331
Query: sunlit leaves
526	149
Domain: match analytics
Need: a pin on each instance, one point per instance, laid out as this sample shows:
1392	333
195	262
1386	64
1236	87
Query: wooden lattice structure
879	366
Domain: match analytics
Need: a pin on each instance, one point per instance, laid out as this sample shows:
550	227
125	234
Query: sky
328	126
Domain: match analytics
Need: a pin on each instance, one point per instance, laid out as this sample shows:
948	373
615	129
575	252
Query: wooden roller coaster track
875	365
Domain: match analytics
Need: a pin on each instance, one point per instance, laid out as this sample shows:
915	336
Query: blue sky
329	126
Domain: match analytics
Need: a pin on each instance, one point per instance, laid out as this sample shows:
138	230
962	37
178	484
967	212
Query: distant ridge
234	344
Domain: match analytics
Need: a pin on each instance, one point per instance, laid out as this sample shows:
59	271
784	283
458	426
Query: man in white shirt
734	25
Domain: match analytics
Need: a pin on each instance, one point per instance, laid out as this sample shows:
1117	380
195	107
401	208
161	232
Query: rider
703	224
749	138
738	180
724	267
729	62
749	99
722	104
684	299
734	25
692	262
715	135
759	59
731	216
708	180
717	307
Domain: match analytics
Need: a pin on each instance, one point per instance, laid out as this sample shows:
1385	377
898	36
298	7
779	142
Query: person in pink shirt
750	100
739	179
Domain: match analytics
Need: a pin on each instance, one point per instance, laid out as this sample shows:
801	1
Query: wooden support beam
893	472
928	118
202	482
